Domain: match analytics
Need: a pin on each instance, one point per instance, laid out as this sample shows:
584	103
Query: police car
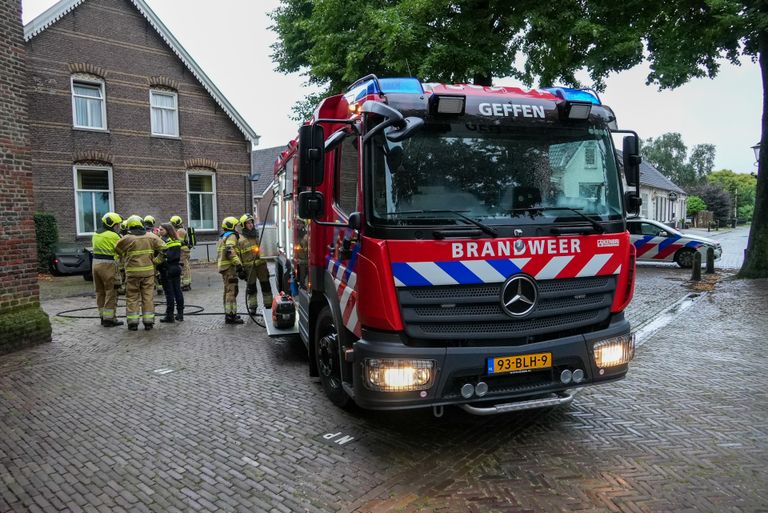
657	242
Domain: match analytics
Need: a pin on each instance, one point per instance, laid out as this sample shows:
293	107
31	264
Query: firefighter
230	268
255	267
186	250
141	250
104	268
170	273
149	224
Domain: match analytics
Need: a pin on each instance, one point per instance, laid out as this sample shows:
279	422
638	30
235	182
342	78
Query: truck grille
473	312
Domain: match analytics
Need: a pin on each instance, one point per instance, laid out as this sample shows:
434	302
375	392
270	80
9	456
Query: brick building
122	118
22	322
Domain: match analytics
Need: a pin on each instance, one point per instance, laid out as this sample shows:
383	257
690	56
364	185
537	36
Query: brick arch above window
163	82
92	157
198	163
84	68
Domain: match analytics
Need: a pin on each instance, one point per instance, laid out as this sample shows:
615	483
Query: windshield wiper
484	227
597	226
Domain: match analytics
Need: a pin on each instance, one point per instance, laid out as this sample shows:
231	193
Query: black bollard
710	260
696	274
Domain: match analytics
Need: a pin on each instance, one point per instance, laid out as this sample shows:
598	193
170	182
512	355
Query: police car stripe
694	244
594	265
668	241
433	273
459	272
553	267
642	242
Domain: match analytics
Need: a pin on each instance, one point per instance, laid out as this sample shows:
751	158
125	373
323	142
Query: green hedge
47	234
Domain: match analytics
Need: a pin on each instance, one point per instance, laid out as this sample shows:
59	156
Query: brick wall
111	39
22	322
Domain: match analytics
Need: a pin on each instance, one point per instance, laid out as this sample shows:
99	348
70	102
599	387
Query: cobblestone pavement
205	417
734	242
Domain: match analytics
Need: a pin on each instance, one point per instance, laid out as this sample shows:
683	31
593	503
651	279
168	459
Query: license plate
522	363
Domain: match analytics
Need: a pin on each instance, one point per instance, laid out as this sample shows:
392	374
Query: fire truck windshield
498	175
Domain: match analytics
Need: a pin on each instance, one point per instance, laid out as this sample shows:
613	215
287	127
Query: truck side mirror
310	204
632	159
632	202
311	155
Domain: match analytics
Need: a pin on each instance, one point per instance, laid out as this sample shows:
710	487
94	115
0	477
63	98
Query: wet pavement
733	242
201	416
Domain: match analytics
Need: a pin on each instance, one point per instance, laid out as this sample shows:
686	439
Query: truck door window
347	176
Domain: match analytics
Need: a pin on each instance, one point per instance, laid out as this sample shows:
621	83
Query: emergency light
574	95
373	85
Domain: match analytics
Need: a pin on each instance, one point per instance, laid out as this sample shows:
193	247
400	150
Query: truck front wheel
328	359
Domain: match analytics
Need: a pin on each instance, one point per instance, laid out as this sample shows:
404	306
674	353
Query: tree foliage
669	154
740	186
717	201
334	42
695	205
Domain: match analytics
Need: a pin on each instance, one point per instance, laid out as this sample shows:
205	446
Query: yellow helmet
229	223
176	221
110	219
149	220
245	218
134	222
124	225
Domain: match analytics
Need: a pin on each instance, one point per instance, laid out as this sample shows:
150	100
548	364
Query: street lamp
756	149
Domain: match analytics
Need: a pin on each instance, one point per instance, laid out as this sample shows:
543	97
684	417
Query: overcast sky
230	40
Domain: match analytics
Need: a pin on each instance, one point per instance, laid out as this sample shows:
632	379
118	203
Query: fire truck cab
458	244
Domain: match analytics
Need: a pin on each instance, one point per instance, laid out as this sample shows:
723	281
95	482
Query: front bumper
456	366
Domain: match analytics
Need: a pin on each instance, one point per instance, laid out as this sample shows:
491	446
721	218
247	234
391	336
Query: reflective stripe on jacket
104	243
138	253
249	250
227	251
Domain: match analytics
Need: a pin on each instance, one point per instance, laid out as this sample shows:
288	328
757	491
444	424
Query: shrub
47	234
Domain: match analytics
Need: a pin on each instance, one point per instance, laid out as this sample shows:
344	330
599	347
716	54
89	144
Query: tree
740	186
695	205
336	41
717	201
669	154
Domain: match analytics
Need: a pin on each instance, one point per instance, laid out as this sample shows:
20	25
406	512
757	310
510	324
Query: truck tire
684	258
328	359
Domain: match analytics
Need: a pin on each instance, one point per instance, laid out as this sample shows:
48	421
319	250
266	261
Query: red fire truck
458	244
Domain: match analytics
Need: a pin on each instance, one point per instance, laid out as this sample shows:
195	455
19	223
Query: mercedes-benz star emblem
518	295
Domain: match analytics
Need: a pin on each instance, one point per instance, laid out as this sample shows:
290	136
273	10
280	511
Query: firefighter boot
180	315
111	323
233	319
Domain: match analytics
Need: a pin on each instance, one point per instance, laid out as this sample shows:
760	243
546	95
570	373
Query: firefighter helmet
134	222
229	223
176	221
111	219
149	221
245	218
124	225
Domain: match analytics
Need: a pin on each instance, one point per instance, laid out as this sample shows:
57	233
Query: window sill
161	136
86	129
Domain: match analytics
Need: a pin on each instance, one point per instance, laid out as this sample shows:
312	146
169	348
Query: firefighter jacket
104	245
171	264
227	251
139	253
249	251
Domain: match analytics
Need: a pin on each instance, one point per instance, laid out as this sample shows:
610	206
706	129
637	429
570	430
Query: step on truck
458	244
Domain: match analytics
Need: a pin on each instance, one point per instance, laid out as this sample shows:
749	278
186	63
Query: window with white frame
201	197
93	197
164	112
89	109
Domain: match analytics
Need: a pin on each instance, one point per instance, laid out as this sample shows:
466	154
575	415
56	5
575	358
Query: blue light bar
383	86
574	95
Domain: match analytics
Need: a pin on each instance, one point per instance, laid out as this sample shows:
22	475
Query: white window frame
89	82
163	92
202	172
75	170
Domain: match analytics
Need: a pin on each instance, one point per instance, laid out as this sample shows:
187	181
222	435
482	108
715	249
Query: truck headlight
398	375
614	351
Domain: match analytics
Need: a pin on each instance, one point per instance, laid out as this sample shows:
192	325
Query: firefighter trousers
104	277
139	299
259	272
230	290
186	270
